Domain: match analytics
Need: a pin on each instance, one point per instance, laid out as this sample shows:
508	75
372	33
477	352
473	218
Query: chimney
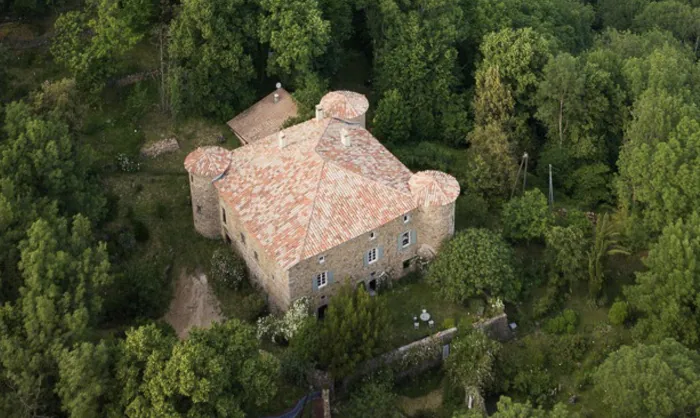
319	112
282	140
344	137
276	97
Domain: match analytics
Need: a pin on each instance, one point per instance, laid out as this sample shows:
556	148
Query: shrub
527	217
227	270
127	163
448	323
161	211
280	329
564	323
253	306
618	313
140	230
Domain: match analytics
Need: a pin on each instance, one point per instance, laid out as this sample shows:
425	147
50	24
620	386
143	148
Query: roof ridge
302	247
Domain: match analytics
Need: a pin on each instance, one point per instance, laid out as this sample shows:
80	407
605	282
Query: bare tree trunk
561	120
163	104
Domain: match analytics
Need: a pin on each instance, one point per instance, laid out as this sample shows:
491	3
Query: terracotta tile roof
208	161
433	188
315	193
264	117
344	104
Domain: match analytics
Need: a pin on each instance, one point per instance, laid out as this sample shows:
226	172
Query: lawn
407	299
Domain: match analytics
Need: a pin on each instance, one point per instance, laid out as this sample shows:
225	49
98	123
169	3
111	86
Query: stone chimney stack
344	137
319	112
282	140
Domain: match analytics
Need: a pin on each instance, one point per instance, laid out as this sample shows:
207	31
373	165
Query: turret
205	166
435	194
346	105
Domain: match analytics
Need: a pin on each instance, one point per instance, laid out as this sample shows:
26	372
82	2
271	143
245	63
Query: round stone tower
346	105
205	165
435	194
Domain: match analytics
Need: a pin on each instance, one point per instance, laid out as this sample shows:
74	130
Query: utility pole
523	165
551	188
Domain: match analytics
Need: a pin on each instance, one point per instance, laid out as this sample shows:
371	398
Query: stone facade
205	206
263	270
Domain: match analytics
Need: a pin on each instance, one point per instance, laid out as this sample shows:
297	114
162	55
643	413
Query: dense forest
572	126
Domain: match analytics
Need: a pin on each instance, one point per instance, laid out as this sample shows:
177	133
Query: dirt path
194	304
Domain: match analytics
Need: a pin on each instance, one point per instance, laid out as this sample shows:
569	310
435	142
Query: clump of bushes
563	324
127	163
618	313
227	270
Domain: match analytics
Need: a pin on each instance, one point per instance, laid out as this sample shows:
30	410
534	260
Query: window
406	218
199	209
321	279
191	177
372	256
372	235
223	214
255	253
321	259
242	238
406	264
405	239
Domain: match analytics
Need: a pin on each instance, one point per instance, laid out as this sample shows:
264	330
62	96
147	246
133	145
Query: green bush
618	313
253	307
140	231
227	270
448	323
564	323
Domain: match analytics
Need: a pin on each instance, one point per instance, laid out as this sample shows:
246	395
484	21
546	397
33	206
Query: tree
667	293
491	165
297	35
86	386
509	409
605	243
64	275
415	53
210	49
60	101
89	43
683	20
352	331
470	364
661	380
620	14
373	399
527	217
216	372
566	254
476	262
519	55
392	121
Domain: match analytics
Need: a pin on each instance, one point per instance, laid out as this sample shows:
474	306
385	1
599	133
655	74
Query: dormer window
406	218
372	235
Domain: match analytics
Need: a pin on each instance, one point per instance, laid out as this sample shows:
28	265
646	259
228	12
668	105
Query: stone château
320	202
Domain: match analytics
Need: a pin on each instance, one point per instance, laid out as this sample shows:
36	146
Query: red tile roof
344	104
208	161
264	117
433	188
315	193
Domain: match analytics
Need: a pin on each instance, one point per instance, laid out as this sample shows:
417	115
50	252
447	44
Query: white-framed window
321	279
321	259
372	235
372	255
406	218
405	239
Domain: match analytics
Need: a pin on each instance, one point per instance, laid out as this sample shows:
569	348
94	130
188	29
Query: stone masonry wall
263	269
347	261
205	206
438	224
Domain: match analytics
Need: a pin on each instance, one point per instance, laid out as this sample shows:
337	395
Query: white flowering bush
284	328
128	164
226	269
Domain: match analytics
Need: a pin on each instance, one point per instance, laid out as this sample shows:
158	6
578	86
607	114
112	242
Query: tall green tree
415	53
297	34
352	331
661	380
212	44
668	294
90	42
470	364
527	217
64	275
566	255
476	262
509	409
605	243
